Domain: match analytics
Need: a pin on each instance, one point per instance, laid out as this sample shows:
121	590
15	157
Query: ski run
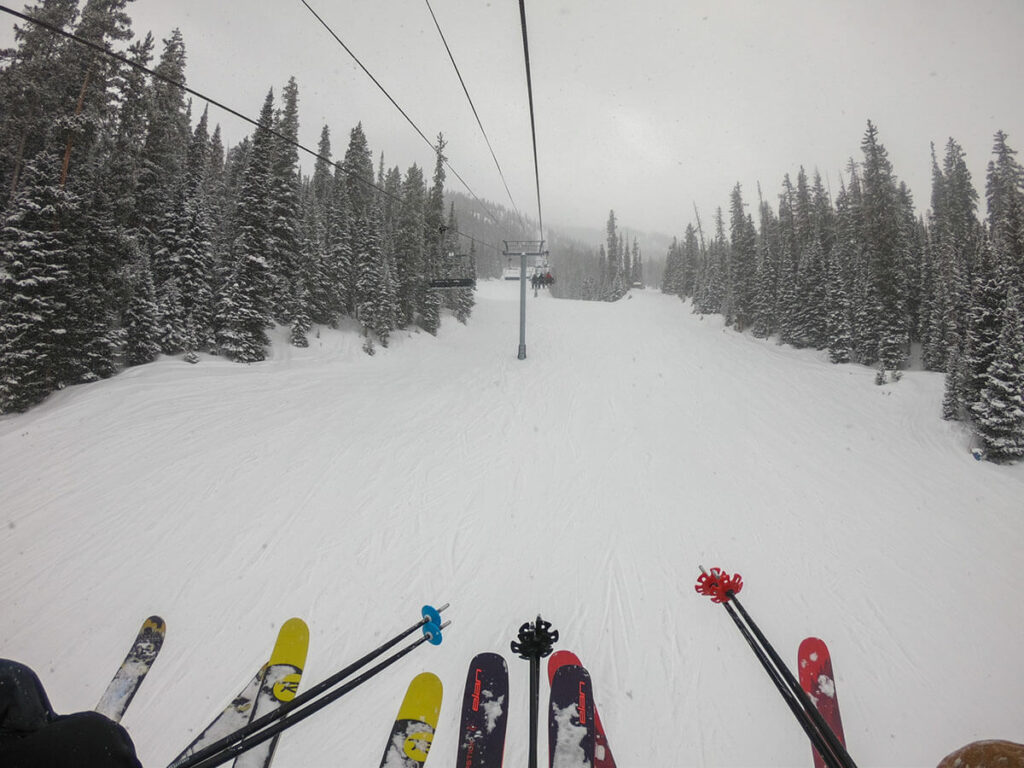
586	483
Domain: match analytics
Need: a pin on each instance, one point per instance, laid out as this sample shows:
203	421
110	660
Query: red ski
602	752
817	680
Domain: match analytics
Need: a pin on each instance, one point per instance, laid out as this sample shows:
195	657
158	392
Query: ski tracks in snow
585	483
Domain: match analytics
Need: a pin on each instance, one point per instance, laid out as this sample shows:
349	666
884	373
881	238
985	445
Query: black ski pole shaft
817	740
197	757
835	745
293	716
534	642
534	707
722	588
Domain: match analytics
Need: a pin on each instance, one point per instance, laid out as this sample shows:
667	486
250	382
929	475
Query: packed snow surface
585	483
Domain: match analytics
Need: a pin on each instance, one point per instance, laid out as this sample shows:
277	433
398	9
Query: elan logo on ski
476	689
484	710
581	707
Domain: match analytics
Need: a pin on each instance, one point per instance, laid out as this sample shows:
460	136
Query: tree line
604	274
128	229
868	280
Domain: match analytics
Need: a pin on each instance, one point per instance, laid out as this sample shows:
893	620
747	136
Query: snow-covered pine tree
163	153
38	267
815	277
807	316
462	300
743	262
316	202
322	179
939	331
672	276
999	412
1004	191
128	134
283	242
338	250
189	257
362	197
961	236
692	256
912	239
140	317
301	322
624	262
390	206
243	307
884	247
934	290
32	97
374	310
717	293
385	296
769	248
86	77
787	293
433	242
218	206
984	322
839	339
952	396
358	175
614	278
170	318
410	247
637	276
865	319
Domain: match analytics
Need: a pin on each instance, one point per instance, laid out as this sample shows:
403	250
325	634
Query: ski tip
485	656
422	700
292	644
154	623
809	644
562	659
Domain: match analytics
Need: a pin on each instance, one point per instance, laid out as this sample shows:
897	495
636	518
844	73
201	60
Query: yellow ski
279	683
287	660
414	727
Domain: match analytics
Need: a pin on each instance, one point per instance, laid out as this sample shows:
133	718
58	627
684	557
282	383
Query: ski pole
430	615
812	733
834	744
535	641
722	588
290	716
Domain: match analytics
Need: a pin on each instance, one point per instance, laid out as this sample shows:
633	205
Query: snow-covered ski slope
585	483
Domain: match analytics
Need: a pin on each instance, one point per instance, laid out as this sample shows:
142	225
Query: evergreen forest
128	229
865	278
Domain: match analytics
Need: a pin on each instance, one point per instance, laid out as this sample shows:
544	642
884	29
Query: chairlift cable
533	127
106	51
181	86
475	114
399	108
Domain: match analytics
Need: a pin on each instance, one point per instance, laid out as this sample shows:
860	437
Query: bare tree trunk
78	111
17	166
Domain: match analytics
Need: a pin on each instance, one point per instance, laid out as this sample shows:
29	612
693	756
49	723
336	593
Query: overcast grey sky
644	106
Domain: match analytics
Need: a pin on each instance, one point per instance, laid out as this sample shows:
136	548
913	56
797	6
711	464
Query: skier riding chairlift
32	735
